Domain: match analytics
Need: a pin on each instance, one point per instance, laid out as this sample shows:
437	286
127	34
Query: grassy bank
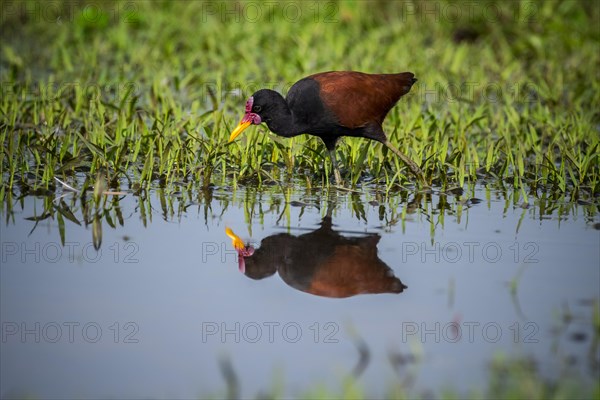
147	92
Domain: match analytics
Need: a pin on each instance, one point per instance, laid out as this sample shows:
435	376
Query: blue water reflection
141	295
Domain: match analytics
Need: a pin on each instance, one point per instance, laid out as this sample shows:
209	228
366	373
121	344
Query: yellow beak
238	243
239	129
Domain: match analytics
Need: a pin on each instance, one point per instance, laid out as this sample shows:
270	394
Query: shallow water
162	308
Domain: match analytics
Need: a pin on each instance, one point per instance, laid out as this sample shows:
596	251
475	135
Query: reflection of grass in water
519	378
508	378
77	206
514	287
149	95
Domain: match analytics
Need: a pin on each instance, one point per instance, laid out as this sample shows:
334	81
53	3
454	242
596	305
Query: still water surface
422	289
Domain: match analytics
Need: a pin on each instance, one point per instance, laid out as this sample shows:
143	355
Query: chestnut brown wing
358	99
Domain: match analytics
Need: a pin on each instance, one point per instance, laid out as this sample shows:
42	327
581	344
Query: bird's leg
336	171
409	163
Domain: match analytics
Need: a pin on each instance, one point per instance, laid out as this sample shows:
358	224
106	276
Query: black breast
310	114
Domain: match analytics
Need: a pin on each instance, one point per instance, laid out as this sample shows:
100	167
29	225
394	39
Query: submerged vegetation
146	93
104	209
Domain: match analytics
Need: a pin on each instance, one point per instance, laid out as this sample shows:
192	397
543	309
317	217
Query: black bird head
263	106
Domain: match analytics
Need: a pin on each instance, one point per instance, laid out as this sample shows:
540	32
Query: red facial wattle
250	118
242	254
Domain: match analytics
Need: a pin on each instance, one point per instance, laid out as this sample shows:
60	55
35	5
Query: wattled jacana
330	105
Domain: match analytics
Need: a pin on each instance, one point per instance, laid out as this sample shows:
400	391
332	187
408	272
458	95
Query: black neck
280	119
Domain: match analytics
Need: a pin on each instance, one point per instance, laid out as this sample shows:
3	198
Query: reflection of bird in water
240	247
321	262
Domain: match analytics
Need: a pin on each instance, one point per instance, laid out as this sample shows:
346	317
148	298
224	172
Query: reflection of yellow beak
239	129
238	243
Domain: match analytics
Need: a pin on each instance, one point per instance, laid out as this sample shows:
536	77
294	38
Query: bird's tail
406	81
